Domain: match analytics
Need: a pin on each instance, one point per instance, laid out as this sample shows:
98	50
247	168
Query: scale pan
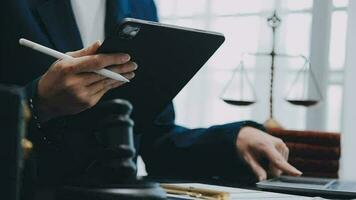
238	102
239	90
305	89
305	103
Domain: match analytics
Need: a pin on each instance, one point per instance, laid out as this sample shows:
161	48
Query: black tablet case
167	56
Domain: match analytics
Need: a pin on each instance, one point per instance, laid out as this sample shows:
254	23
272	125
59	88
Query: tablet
313	186
167	56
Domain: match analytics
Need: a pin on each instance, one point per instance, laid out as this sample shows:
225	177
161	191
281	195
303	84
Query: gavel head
114	132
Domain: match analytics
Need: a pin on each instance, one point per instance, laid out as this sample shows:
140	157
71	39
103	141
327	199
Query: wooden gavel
14	148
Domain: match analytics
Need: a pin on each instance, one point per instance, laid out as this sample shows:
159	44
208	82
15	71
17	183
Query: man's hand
254	146
70	85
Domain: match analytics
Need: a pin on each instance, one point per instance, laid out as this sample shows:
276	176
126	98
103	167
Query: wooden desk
246	191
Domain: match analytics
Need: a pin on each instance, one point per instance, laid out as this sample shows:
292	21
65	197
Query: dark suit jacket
168	149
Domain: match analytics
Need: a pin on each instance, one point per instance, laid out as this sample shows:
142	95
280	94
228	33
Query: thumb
90	50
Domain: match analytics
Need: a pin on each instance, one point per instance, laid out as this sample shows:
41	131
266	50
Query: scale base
272	124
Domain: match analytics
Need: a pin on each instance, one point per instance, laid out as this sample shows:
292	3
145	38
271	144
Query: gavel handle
27	147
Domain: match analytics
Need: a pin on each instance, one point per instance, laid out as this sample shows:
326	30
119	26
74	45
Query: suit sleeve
176	151
34	129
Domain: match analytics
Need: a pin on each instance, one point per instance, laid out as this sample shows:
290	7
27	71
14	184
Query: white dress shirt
90	18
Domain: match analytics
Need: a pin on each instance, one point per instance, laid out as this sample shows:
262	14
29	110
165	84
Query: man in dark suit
58	89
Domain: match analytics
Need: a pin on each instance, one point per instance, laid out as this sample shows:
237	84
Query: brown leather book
318	166
316	152
307	137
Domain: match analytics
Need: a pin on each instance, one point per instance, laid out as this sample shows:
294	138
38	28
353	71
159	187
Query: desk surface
245	194
248	191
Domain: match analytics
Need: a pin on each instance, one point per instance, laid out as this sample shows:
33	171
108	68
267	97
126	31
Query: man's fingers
101	93
94	62
104	84
115	85
90	50
257	169
125	68
273	171
89	78
279	162
100	61
107	84
129	75
283	150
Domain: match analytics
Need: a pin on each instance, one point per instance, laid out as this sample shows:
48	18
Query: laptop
312	186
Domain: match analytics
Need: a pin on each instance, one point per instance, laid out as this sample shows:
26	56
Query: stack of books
316	154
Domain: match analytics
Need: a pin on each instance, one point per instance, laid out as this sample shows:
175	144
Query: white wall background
348	161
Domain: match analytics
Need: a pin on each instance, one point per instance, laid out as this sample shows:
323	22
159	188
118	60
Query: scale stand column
274	22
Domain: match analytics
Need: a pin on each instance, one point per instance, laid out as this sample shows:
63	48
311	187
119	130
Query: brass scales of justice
239	90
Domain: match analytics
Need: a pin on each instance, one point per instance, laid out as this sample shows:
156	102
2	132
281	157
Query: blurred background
321	30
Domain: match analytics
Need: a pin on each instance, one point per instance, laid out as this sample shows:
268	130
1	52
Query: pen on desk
59	55
192	192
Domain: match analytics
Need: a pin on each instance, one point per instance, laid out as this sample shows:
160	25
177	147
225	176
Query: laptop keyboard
341	185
